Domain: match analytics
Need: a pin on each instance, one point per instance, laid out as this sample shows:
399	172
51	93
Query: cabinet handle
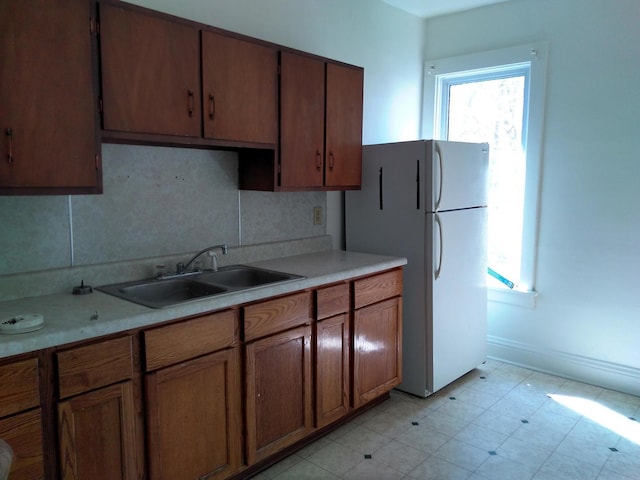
190	99
318	160
9	133
331	160
212	107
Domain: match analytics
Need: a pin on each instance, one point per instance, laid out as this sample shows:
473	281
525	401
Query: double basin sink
165	292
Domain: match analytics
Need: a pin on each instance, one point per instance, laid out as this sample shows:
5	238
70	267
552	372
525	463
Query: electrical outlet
317	215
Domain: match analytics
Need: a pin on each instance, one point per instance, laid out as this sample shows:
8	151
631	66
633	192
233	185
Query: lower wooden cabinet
21	418
193	418
278	392
332	369
221	393
377	353
377	335
23	432
98	436
99	417
333	354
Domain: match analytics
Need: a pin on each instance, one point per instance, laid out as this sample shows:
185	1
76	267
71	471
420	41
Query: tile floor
497	422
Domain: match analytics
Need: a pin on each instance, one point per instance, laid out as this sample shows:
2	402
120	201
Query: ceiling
433	8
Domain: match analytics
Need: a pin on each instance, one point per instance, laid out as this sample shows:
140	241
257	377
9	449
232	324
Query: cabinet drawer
20	390
93	366
276	315
332	301
377	288
190	338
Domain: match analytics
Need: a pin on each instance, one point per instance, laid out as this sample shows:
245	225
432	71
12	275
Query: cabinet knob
318	160
331	160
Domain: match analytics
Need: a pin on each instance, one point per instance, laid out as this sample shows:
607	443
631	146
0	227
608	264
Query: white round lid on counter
22	323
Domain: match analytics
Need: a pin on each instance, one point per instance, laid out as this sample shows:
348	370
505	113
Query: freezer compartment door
386	215
458	175
458	302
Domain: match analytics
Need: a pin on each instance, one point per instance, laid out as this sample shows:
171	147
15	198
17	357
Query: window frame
534	54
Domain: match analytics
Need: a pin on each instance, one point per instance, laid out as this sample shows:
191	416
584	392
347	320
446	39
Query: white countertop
68	317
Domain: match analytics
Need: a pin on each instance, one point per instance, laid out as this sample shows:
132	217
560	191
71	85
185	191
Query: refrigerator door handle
441	246
438	152
380	188
417	184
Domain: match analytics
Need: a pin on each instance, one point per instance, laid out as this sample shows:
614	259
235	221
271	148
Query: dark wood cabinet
21	418
193	417
333	350
98	436
343	157
320	123
301	121
240	90
278	390
99	412
278	374
193	398
377	336
150	73
48	111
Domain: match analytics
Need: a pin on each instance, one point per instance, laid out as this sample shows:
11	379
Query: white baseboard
604	374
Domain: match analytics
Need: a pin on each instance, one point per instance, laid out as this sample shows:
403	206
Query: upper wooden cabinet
320	123
48	137
160	78
343	124
301	121
240	89
150	73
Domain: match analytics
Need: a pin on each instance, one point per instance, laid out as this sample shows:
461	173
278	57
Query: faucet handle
180	268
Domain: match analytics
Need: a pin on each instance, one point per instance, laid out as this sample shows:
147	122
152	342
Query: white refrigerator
426	200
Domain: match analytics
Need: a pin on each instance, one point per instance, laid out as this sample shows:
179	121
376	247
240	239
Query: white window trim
537	54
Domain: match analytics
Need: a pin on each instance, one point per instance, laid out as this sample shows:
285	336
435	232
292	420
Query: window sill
519	298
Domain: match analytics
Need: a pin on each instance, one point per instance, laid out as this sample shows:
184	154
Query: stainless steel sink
158	293
243	277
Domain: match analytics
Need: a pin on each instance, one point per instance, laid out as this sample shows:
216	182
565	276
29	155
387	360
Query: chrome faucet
181	268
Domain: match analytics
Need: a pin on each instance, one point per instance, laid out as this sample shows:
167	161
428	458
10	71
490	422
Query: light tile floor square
497	422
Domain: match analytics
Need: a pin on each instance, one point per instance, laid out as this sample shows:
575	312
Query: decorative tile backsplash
157	201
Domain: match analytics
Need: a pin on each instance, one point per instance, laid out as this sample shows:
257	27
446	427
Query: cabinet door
239	84
48	137
98	437
301	121
194	418
377	355
343	165
332	369
150	73
278	392
23	433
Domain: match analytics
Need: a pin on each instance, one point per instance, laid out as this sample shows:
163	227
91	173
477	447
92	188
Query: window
498	97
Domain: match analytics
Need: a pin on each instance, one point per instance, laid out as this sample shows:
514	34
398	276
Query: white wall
386	41
587	321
